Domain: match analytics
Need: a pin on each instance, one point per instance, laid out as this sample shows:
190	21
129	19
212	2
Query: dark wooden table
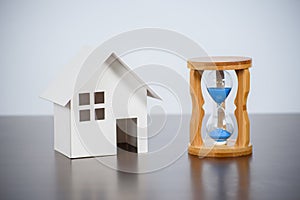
30	169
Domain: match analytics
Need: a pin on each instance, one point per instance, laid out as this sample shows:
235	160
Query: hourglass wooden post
242	144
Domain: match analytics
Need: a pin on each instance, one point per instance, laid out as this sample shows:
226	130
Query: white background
38	38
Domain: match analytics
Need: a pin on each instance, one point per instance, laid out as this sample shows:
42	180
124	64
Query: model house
106	112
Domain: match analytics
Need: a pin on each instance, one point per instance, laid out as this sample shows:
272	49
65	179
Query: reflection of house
109	110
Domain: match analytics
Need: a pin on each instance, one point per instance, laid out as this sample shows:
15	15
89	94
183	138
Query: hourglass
220	126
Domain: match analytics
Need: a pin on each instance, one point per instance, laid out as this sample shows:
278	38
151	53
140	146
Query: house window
99	97
98	103
99	114
88	109
84	115
84	99
84	104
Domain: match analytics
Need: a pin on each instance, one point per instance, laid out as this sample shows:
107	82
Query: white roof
61	90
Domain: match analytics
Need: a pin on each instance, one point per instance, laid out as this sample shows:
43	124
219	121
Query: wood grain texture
221	151
220	63
241	113
197	110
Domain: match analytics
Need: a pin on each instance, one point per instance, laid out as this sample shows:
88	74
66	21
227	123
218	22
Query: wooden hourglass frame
242	144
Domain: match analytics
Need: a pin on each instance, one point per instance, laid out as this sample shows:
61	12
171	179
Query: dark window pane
99	97
84	99
84	115
99	113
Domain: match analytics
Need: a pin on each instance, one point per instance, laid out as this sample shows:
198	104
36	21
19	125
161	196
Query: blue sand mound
219	135
219	94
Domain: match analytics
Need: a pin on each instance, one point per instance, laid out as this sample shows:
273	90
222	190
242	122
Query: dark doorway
127	134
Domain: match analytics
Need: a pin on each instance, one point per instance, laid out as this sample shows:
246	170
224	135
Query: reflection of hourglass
219	126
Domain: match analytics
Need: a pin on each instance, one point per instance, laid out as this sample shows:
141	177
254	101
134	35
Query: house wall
124	98
62	129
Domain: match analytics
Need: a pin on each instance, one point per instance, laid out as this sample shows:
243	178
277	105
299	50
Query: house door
127	134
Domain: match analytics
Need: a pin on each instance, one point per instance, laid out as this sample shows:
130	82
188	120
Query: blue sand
219	94
219	135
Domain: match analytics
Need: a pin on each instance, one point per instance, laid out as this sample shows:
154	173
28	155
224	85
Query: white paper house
108	111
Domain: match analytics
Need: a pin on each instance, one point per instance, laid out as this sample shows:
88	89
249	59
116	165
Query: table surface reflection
30	169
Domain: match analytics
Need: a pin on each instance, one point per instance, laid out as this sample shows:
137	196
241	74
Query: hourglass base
220	151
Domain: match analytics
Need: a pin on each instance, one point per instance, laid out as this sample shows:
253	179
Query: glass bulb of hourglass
219	126
218	84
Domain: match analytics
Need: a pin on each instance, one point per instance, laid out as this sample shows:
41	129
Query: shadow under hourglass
227	178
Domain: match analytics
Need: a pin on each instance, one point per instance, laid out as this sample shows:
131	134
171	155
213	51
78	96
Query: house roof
62	89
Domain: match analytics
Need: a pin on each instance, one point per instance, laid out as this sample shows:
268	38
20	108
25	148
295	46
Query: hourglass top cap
220	63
